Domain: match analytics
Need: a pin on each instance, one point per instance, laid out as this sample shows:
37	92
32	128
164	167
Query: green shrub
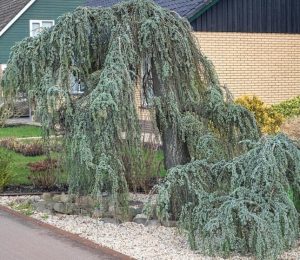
269	120
288	108
5	171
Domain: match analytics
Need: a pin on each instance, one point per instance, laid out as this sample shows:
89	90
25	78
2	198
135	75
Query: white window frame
38	21
3	67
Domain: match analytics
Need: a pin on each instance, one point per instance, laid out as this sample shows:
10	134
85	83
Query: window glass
35	29
47	24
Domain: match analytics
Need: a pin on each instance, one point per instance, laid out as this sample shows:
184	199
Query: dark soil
24	189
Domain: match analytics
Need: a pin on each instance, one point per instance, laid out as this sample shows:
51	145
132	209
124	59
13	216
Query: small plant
5	113
32	149
24	208
267	118
43	173
5	172
45	216
144	175
288	108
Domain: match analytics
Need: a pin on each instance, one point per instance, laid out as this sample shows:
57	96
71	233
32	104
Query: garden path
23	239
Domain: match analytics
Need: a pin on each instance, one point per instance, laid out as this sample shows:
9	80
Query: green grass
20	169
160	157
19	166
20	131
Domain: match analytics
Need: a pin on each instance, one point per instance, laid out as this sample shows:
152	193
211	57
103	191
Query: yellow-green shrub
288	108
267	118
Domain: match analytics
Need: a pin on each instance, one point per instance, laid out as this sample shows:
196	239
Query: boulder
40	206
153	223
56	198
64	208
64	198
47	196
86	202
140	219
134	210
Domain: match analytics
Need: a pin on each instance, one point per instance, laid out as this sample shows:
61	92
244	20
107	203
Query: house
254	44
24	18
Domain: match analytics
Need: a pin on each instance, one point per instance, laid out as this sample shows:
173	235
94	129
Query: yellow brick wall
267	65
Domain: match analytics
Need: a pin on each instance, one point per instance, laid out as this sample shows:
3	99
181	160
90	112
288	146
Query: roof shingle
185	8
9	9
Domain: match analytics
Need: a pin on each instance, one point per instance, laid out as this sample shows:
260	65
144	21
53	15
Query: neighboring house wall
258	16
254	45
40	10
262	64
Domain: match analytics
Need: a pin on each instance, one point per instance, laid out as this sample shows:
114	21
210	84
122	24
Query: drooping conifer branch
219	184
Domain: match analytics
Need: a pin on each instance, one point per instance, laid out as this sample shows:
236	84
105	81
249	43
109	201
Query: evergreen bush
227	185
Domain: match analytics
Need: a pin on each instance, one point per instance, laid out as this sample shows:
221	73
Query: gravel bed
132	239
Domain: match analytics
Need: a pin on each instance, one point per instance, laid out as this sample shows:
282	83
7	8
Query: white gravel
129	238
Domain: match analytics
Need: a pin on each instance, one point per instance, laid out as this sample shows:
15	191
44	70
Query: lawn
19	166
20	169
20	131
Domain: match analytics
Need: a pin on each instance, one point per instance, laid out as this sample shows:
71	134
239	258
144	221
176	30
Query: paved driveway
24	240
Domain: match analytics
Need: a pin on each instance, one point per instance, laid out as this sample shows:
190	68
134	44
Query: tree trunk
175	150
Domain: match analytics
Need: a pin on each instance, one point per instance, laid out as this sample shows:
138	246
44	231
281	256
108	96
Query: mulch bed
31	190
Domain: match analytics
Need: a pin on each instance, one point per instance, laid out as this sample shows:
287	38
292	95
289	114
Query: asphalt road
25	240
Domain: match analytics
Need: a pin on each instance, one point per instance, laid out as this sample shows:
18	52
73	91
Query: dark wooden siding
257	16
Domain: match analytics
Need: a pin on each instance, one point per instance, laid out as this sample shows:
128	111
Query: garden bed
29	189
136	240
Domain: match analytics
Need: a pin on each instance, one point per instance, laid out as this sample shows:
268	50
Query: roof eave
12	21
198	12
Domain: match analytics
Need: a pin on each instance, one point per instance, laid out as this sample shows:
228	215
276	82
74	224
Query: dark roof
185	8
9	9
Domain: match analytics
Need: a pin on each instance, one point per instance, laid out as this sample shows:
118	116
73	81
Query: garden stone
98	213
47	196
152	223
63	208
85	201
40	206
133	211
64	198
169	223
57	198
140	219
50	205
110	221
34	199
59	207
85	212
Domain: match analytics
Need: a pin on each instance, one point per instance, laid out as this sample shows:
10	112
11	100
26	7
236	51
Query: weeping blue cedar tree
227	186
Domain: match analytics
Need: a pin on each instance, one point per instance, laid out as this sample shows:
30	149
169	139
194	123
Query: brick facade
262	64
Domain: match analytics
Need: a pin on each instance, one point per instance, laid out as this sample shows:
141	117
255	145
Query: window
36	26
77	86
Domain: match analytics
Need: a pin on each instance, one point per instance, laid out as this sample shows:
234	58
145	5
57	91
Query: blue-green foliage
231	197
239	205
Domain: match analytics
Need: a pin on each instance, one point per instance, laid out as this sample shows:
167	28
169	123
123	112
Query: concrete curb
68	235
